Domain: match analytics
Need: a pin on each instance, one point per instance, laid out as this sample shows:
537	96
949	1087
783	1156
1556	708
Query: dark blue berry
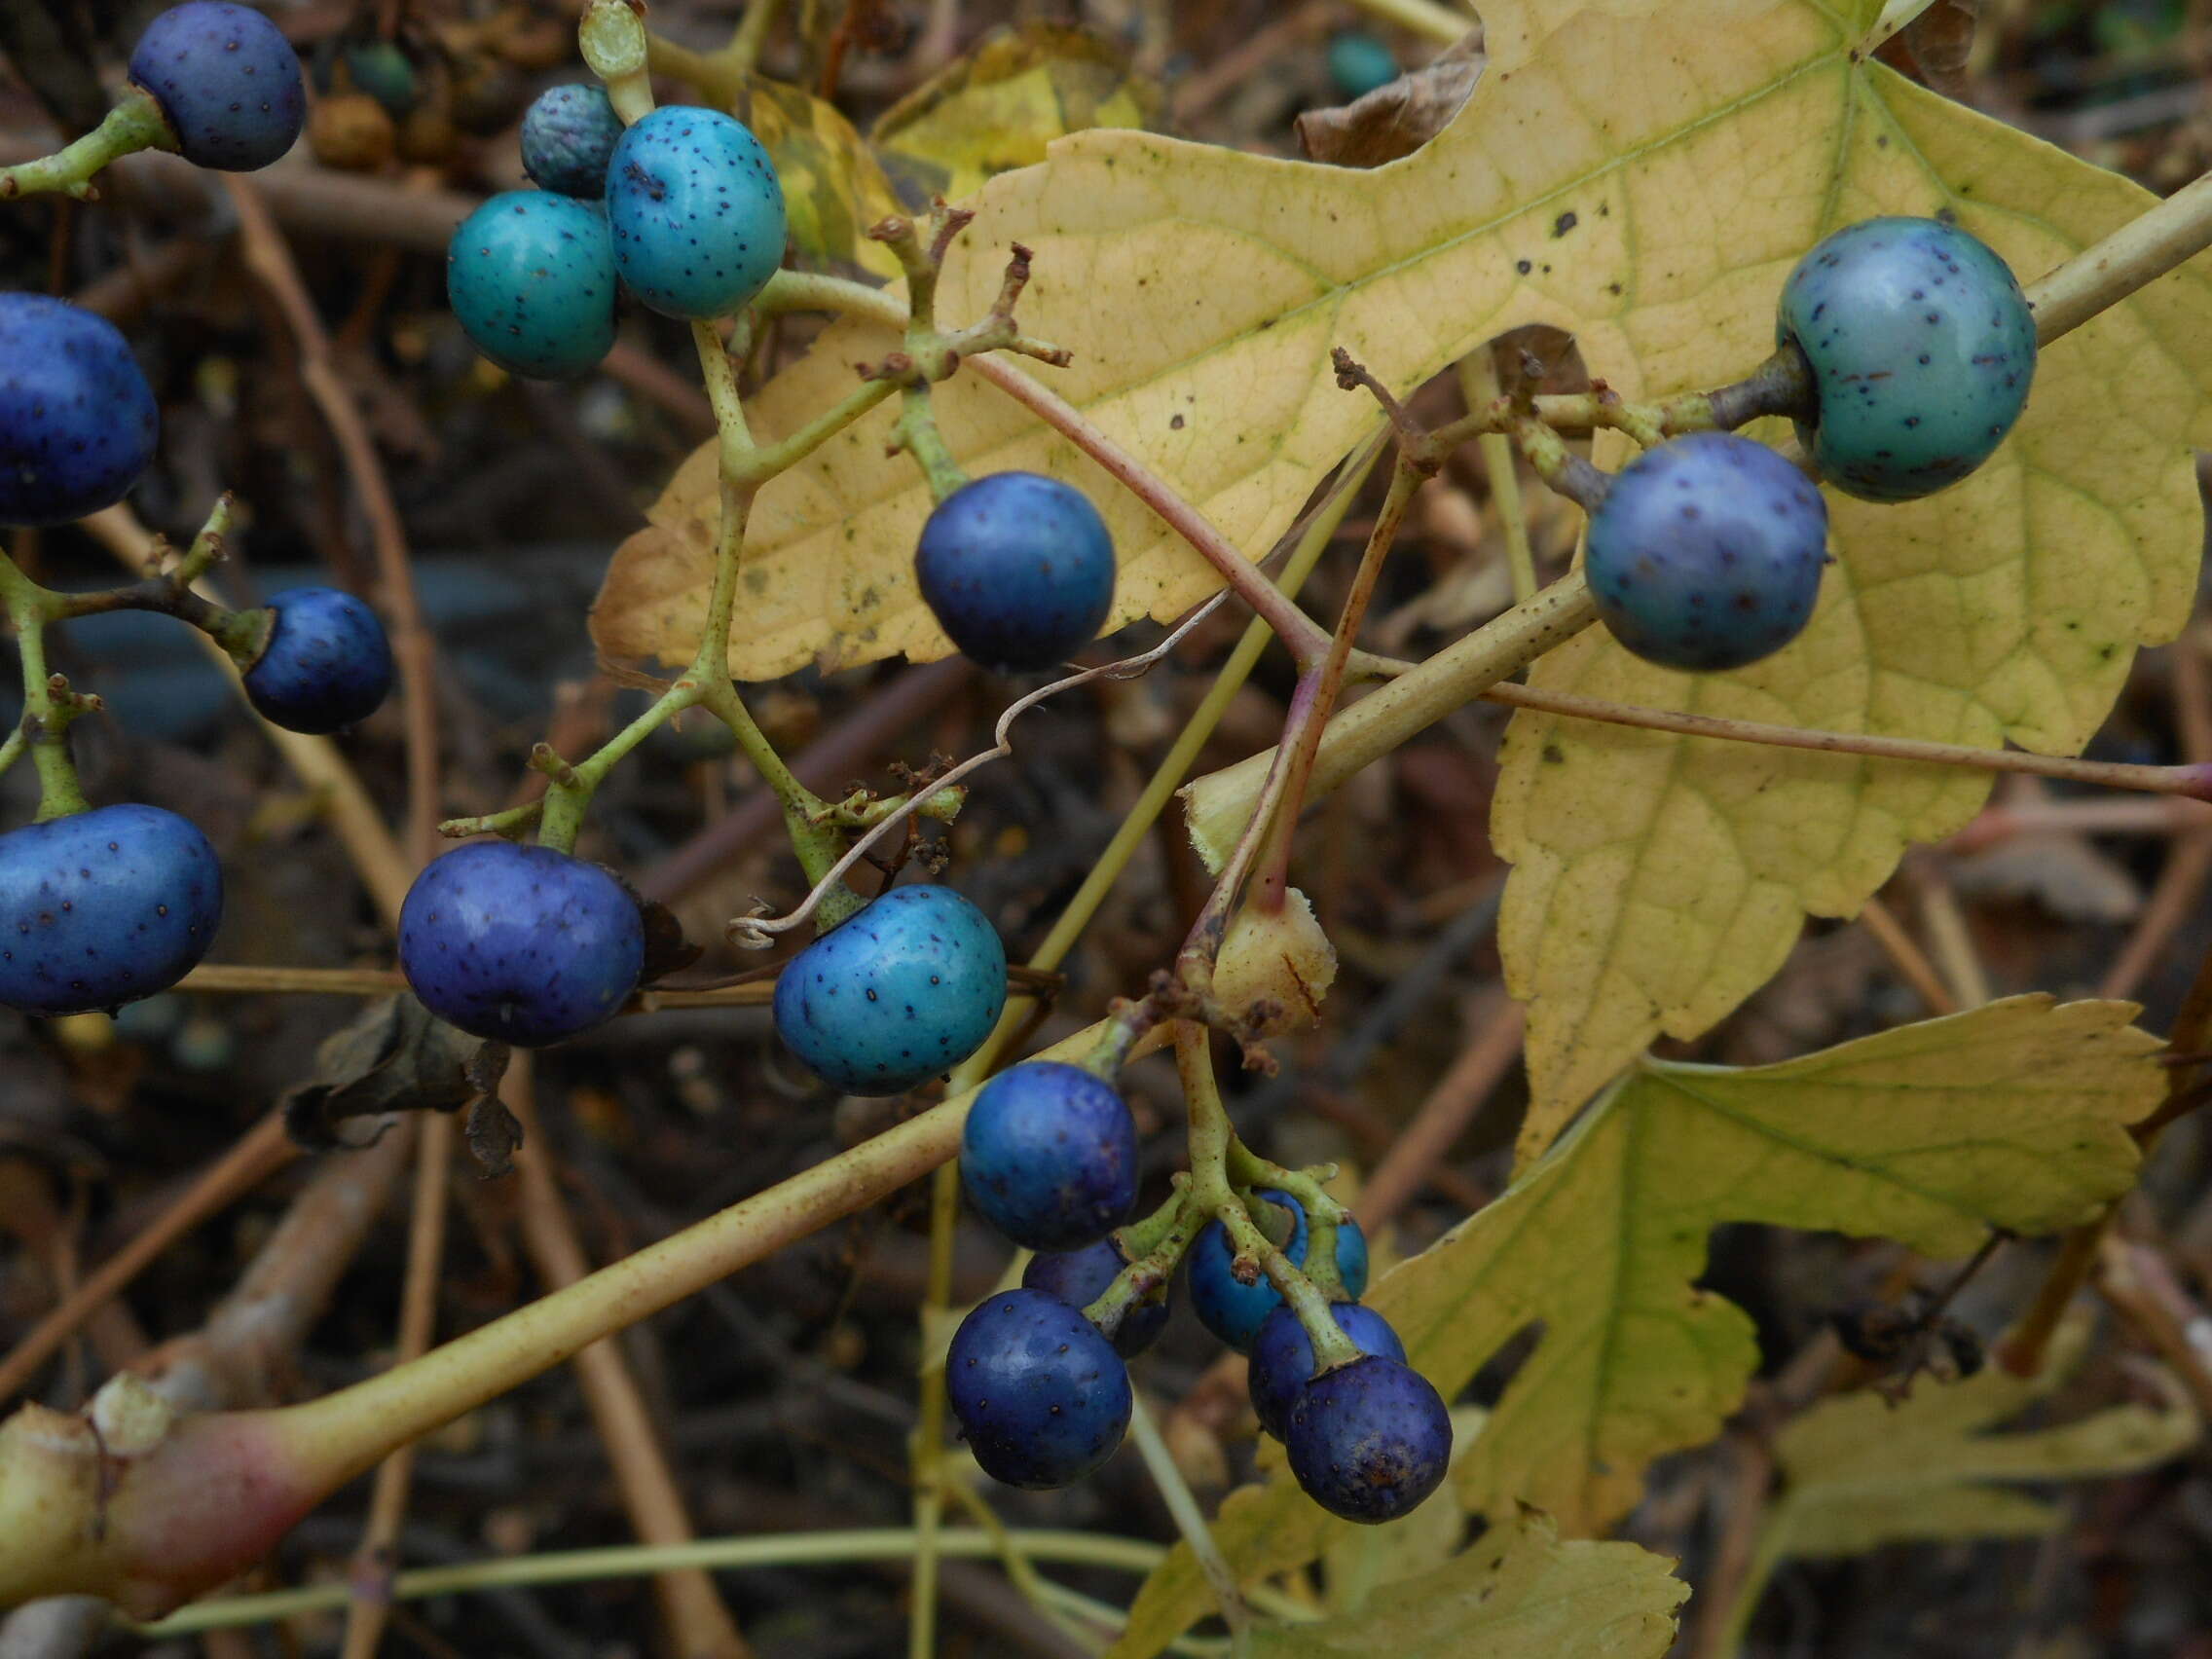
1368	1441
904	990
77	418
1358	63
1282	1357
1079	1277
697	212
569	135
1043	1398
1922	349
103	908
1018	569
326	664
531	276
227	80
1707	553
1048	1155
520	944
1235	1311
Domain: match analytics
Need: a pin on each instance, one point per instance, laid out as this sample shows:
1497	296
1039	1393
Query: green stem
927	1453
1191	1522
613	39
48	708
134	123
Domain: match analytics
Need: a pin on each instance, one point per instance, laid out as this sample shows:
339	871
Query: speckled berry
520	944
1018	569
103	908
1368	1441
1233	1310
904	990
1922	349
226	79
1707	553
531	276
1042	1397
1049	1155
1282	1357
326	664
697	212
569	135
77	418
1079	1277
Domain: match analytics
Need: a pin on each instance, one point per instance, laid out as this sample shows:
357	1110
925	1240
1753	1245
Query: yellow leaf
833	187
2010	1115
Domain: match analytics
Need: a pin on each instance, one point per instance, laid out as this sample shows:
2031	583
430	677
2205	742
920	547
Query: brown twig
1495	1023
2189	861
1909	960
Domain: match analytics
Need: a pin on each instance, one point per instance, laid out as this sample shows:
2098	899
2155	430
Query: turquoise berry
228	81
569	135
1922	349
382	70
1358	63
696	210
531	276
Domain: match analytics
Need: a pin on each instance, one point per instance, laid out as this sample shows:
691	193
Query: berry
1079	1277
569	135
1018	568
520	944
1368	1441
1043	1398
531	275
696	210
103	908
1048	1155
383	71
1282	1357
1358	63
1235	1311
905	989
77	418
1707	553
227	81
1922	349
325	665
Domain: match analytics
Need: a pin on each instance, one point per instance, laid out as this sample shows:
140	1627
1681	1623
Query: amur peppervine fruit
569	135
1922	349
225	80
905	988
1282	1357
1018	569
696	210
326	664
78	422
531	276
1042	1397
1079	1277
1235	1311
1358	63
520	944
102	908
1707	553
1368	1441
1048	1155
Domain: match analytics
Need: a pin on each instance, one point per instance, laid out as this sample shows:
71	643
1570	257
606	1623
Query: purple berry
1079	1277
569	135
77	418
227	80
326	664
1043	1398
1282	1357
1368	1441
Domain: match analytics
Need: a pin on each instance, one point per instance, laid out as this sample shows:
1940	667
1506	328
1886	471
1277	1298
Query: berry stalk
134	123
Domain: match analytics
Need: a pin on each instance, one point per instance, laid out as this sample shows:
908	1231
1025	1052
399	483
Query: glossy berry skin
520	944
227	80
103	908
1018	569
697	212
1079	1277
1282	1357
1368	1441
326	665
77	420
569	135
531	276
1922	349
1234	1311
1042	1397
1048	1155
904	990
1707	553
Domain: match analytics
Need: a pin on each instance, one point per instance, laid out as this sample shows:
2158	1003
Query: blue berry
1707	553
520	944
1043	1398
1282	1357
1235	1311
103	908
226	79
697	212
1079	1277
1368	1441
569	135
1048	1155
1922	349
904	990
531	276
1018	568
1358	63
326	664
77	418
